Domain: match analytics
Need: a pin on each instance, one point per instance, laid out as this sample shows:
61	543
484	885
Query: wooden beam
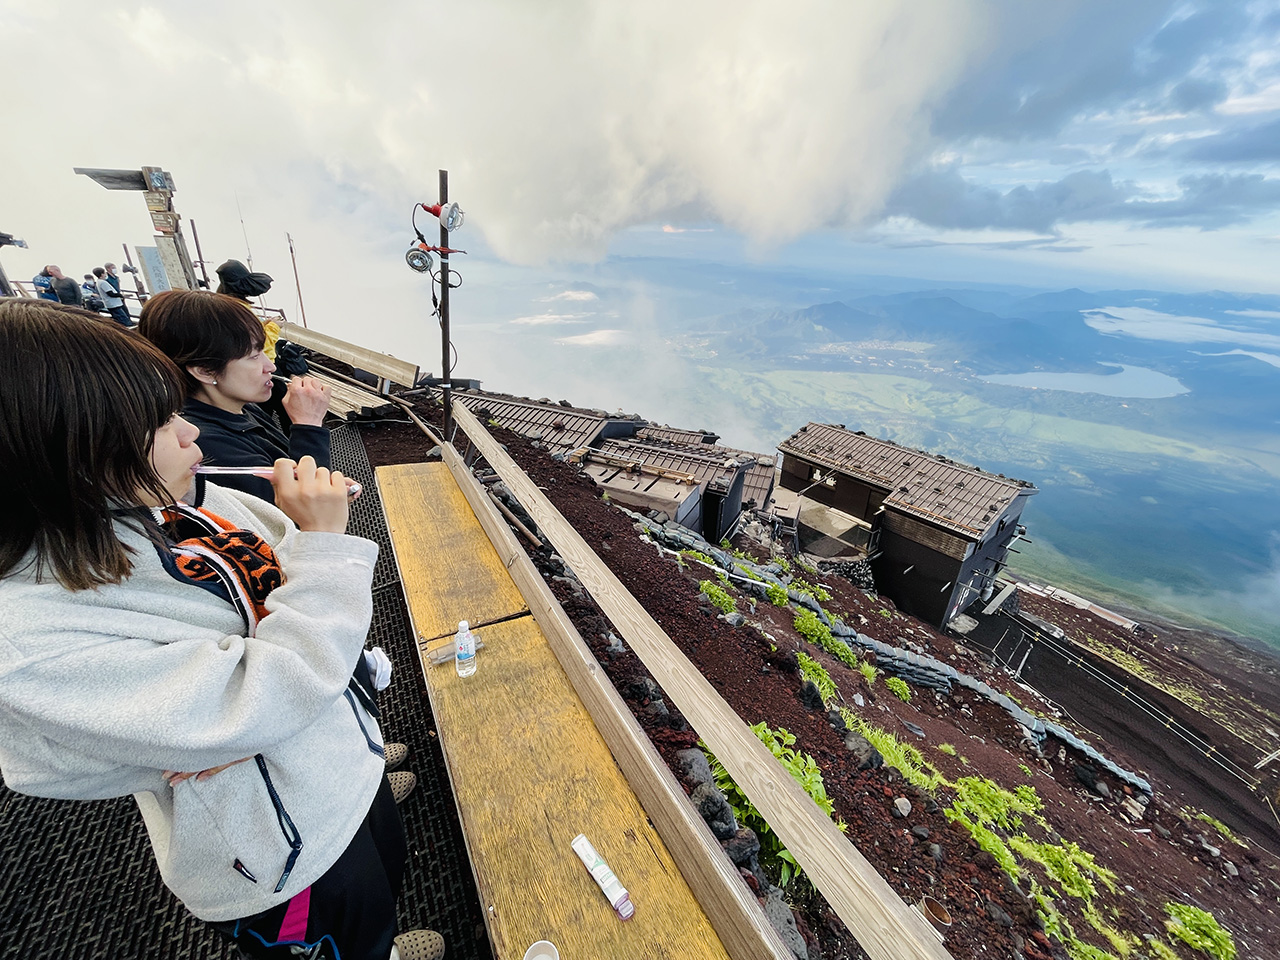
345	399
114	179
884	925
383	364
727	901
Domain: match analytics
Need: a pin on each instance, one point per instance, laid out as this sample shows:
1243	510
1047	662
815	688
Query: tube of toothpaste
614	892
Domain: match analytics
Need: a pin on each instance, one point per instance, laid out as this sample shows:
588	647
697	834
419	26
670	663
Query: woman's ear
204	375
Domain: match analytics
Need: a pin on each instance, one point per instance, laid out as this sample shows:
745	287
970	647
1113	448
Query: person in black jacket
217	343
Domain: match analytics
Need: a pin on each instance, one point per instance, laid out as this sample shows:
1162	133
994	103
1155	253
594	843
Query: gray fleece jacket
102	690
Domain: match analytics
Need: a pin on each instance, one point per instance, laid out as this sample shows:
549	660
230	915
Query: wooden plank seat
387	368
528	767
347	400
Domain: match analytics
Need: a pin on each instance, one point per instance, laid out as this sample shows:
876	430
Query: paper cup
542	950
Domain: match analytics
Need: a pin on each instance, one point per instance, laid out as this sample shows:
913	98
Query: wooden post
446	364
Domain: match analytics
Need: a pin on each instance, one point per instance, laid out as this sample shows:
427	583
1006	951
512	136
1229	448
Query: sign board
167	247
153	271
164	222
114	179
157	179
158	201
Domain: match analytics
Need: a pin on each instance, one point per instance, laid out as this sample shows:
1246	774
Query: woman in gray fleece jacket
195	653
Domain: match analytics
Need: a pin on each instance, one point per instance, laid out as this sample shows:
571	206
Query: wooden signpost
157	188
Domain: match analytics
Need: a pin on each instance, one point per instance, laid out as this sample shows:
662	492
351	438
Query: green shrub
1067	865
718	597
811	669
947	748
784	563
803	586
776	594
1160	951
1199	930
989	803
749	574
1218	825
814	630
773	854
908	761
898	687
700	557
1079	950
868	672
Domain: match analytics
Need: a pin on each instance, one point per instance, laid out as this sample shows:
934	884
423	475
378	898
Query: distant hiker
64	288
112	278
236	280
218	342
43	282
111	298
89	290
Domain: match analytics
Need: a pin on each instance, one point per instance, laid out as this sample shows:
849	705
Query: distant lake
1132	382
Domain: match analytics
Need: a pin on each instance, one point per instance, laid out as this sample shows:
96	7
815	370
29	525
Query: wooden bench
528	766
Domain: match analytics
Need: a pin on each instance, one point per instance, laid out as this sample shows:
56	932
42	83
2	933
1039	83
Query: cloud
544	319
1258	143
576	295
596	338
668	228
945	199
1147	324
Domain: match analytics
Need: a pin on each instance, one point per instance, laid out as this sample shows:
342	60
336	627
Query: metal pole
137	280
296	282
446	367
203	270
6	289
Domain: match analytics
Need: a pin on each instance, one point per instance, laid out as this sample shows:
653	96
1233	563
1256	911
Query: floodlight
418	260
450	214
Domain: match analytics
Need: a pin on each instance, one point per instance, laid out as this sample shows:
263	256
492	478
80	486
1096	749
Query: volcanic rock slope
1033	850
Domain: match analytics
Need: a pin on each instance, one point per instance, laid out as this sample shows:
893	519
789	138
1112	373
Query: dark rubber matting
78	879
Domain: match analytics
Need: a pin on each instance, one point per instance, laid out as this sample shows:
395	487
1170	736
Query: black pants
350	912
121	316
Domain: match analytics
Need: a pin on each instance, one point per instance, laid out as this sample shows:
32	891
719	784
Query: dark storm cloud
946	200
1250	145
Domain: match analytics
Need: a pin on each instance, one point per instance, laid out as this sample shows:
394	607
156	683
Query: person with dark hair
236	280
111	299
195	647
217	342
43	282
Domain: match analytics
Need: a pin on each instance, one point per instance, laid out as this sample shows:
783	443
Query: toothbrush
266	473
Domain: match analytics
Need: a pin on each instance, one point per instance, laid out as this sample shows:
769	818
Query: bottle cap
463	625
625	909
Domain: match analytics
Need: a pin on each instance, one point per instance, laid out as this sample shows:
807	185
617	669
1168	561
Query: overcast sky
1088	143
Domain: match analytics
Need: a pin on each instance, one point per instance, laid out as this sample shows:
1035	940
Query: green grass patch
815	631
803	586
868	672
1223	830
1199	930
773	854
699	556
947	748
1067	865
811	669
719	598
777	595
898	687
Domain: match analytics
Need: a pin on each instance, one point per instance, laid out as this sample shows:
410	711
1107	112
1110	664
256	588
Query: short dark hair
99	272
80	402
196	328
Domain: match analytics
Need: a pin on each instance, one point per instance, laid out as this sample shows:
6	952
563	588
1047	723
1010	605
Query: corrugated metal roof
705	461
676	435
952	495
559	428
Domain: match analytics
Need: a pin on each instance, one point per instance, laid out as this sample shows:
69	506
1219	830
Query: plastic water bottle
464	658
